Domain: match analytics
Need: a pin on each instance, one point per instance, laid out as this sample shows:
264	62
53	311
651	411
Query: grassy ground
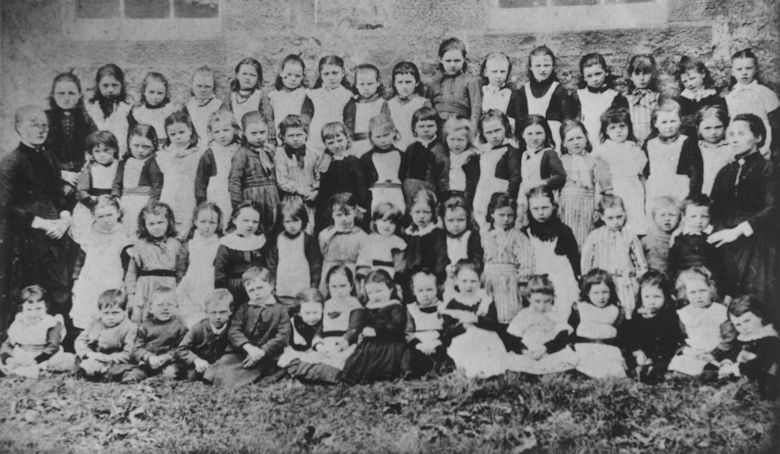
561	413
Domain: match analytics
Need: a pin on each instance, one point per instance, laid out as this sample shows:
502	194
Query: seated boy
206	341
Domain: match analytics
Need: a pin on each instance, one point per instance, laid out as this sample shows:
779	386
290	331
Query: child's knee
172	371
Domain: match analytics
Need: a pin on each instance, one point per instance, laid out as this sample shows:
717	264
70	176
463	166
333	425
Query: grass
511	413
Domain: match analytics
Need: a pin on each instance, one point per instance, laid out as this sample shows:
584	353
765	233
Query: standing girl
384	164
698	91
179	164
203	102
156	259
463	239
95	179
626	162
109	107
211	178
252	176
496	93
426	242
509	258
584	174
198	254
408	99
342	242
427	164
297	168
330	94
555	249
155	104
382	354
712	122
595	94
463	173
242	248
749	95
247	95
138	179
617	251
495	132
454	93
368	102
99	266
383	249
674	164
289	96
642	94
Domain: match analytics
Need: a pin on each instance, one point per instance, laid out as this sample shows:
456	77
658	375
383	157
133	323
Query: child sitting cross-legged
206	340
425	328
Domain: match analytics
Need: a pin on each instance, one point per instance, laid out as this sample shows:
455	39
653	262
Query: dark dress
337	176
386	356
689	108
748	190
691	250
231	262
68	131
427	251
30	186
427	167
659	337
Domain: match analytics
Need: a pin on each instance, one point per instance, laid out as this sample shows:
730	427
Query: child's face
164	306
666	218
207	223
452	61
383	138
697	218
455	221
425	290
404	85
494	131
468	282
292	225
109	87
641	79
378	292
256	133
385	227
594	75
337	144
247	221
223	133
426	129
154	92
179	133
218	313
496	71
457	142
599	294
112	316
141	147
747	323
203	87
668	124
534	137
576	141
33	311
541	67
34	128
652	300
247	77
743	70
617	132
540	302
366	83
421	215
259	290
310	312
698	293
66	94
103	155
711	129
106	218
692	80
292	75
339	286
504	218
614	218
541	208
156	225
741	138
344	217
331	76
295	137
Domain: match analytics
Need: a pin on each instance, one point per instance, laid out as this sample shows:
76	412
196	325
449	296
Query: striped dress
509	261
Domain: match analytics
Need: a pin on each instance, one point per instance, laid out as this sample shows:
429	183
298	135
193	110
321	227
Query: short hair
309	295
531	120
66	77
105	138
156	209
541	283
457	124
423	273
387	211
453	44
715	110
687	63
227	117
643	64
257	272
665	106
407	68
235	84
25	112
570	125
654	278
616	115
593	59
539	51
367	67
696	200
204	71
663	201
296	209
468	264
162	291
696	272
246	204
749	303
425	114
755	124
253	117
294	59
181	116
333	129
293	121
495	56
494	114
157	77
112	298
145	131
104	201
595	277
380	276
383	123
218	296
33	294
452	200
341	202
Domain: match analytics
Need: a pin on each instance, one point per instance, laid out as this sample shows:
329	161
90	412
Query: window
142	20
574	15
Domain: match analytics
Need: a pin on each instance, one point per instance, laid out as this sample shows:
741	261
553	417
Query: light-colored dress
292	272
154	267
536	329
626	163
757	99
558	268
401	112
218	191
664	180
200	114
286	102
702	331
97	180
340	248
328	107
26	341
377	253
714	157
179	167
539	106
593	105
116	122
294	177
487	183
198	281
154	116
509	261
598	359
134	197
578	196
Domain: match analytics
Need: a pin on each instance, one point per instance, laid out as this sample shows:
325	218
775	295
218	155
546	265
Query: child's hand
253	355
97	356
728	369
641	358
156	361
745	356
201	365
369	332
340	344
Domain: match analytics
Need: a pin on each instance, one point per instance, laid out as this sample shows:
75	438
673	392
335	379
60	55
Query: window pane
97	9
196	8
147	9
521	3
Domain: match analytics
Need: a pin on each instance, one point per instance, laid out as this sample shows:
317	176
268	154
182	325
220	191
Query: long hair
181	116
333	60
592	60
364	68
66	77
540	51
531	120
617	115
453	44
570	125
687	63
235	85
158	77
643	64
107	104
295	60
495	56
745	53
407	68
156	209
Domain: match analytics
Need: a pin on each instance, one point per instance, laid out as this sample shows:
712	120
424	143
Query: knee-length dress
179	168
157	265
674	168
585	176
509	262
533	329
340	247
235	255
626	163
252	177
297	175
137	182
596	340
198	254
211	180
328	107
701	327
95	180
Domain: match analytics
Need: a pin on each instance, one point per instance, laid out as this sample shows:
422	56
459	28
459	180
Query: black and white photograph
398	226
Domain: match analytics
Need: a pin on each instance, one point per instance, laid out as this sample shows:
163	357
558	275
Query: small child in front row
300	356
384	249
257	335
158	336
34	339
425	327
427	164
596	319
665	216
206	340
105	348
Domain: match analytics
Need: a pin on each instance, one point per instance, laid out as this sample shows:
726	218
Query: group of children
340	234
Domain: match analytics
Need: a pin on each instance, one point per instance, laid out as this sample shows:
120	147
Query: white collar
239	243
371	305
765	331
218	331
421	232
